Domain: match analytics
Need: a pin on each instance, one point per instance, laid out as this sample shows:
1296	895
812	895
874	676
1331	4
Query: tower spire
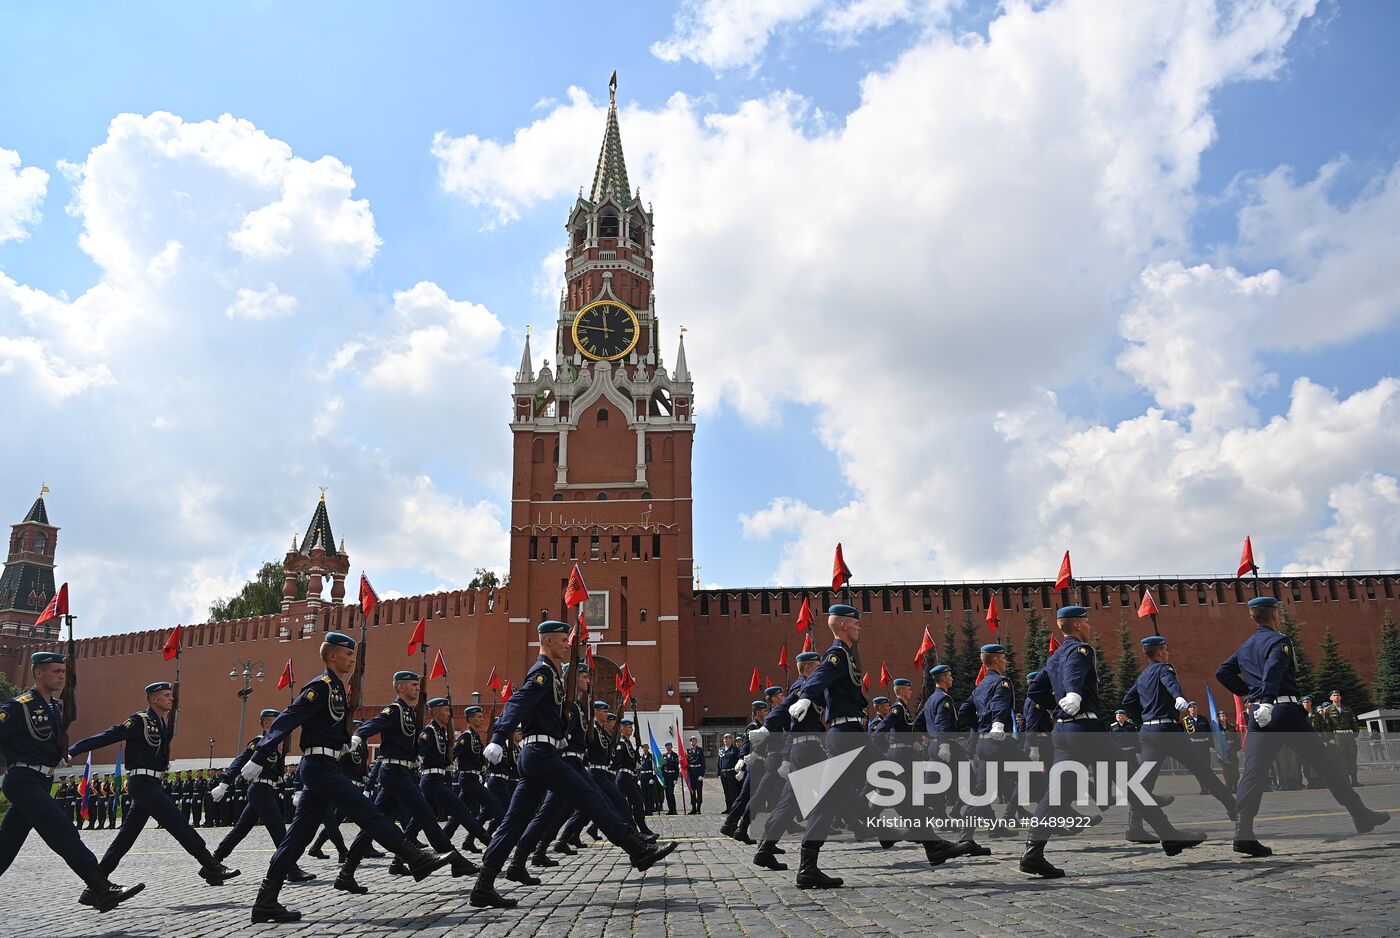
682	370
527	368
611	175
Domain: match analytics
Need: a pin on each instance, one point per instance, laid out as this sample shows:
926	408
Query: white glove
1070	703
945	752
756	734
357	743
999	729
493	753
740	771
218	791
798	711
1264	714
250	770
783	769
63	762
296	798
1181	705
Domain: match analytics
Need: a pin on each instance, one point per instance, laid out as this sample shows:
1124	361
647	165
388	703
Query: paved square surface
1330	883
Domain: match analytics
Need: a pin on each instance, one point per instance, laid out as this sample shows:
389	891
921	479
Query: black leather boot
484	894
767	858
1369	820
939	851
422	862
216	874
268	909
645	855
108	897
1033	861
345	879
541	858
809	875
1174	841
299	875
518	872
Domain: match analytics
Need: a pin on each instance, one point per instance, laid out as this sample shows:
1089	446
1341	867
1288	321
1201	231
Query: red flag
575	593
804	615
368	597
1148	607
1054	643
418	637
1062	581
1246	559
754	686
685	762
981	673
840	573
171	649
993	619
439	667
58	606
865	680
925	647
588	655
783	658
885	679
767	682
580	630
285	681
625	682
807	642
494	682
505	692
1241	721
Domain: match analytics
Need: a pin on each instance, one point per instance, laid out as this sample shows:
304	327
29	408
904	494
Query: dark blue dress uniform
1262	672
625	759
671	772
805	749
147	739
736	823
434	751
1152	699
466	751
994	701
399	792
502	777
262	805
536	709
31	730
598	760
726	762
836	687
695	758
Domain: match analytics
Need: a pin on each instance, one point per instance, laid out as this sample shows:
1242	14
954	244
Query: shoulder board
539	677
325	679
1083	649
1005	683
425	734
386	709
130	722
1169	668
25	698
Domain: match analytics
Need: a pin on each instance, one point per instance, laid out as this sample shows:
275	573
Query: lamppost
211	752
248	670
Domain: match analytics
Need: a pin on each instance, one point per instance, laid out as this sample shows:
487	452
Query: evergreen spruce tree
1388	667
1335	672
1302	664
1013	673
969	660
1128	669
1037	641
1110	697
948	652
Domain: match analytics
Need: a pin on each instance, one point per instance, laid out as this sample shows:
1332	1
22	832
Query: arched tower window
558	497
608	226
602	416
602	496
41	541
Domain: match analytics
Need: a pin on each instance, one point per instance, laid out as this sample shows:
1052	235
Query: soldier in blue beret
804	748
1262	671
726	762
1158	702
399	791
32	732
320	713
597	759
538	709
736	822
262	805
994	703
435	755
146	735
471	767
1068	687
624	764
836	686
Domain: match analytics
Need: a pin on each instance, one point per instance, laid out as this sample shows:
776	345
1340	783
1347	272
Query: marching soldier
319	711
397	728
537	709
147	738
598	756
31	734
1344	726
695	759
727	759
624	764
352	763
262	804
804	749
471	767
1198	731
502	777
1068	686
1158	698
736	823
434	756
1262	672
994	702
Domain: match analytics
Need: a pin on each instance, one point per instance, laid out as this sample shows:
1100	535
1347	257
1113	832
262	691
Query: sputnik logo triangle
810	785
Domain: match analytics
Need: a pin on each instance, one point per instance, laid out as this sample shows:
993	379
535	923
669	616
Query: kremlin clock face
605	330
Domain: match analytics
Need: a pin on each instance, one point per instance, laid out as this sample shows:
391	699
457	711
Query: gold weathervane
323	493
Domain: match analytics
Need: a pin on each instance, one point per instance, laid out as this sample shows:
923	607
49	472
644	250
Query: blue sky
875	428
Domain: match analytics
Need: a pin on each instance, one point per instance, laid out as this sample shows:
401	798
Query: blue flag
1216	732
117	772
655	756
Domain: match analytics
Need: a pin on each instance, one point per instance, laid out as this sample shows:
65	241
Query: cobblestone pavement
1329	882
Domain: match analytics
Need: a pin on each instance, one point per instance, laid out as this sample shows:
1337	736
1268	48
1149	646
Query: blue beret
993	649
440	702
803	656
759	705
772	690
471	711
551	626
157	687
1153	641
1031	676
903	682
341	639
600	705
406	675
1071	612
268	713
880	700
46	657
841	609
938	669
1191	703
1116	712
1263	602
611	715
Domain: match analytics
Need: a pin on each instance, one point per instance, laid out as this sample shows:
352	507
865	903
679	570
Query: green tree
260	596
1037	641
1388	667
1128	670
1013	673
948	645
1302	664
8	691
1335	672
1110	697
484	579
969	659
